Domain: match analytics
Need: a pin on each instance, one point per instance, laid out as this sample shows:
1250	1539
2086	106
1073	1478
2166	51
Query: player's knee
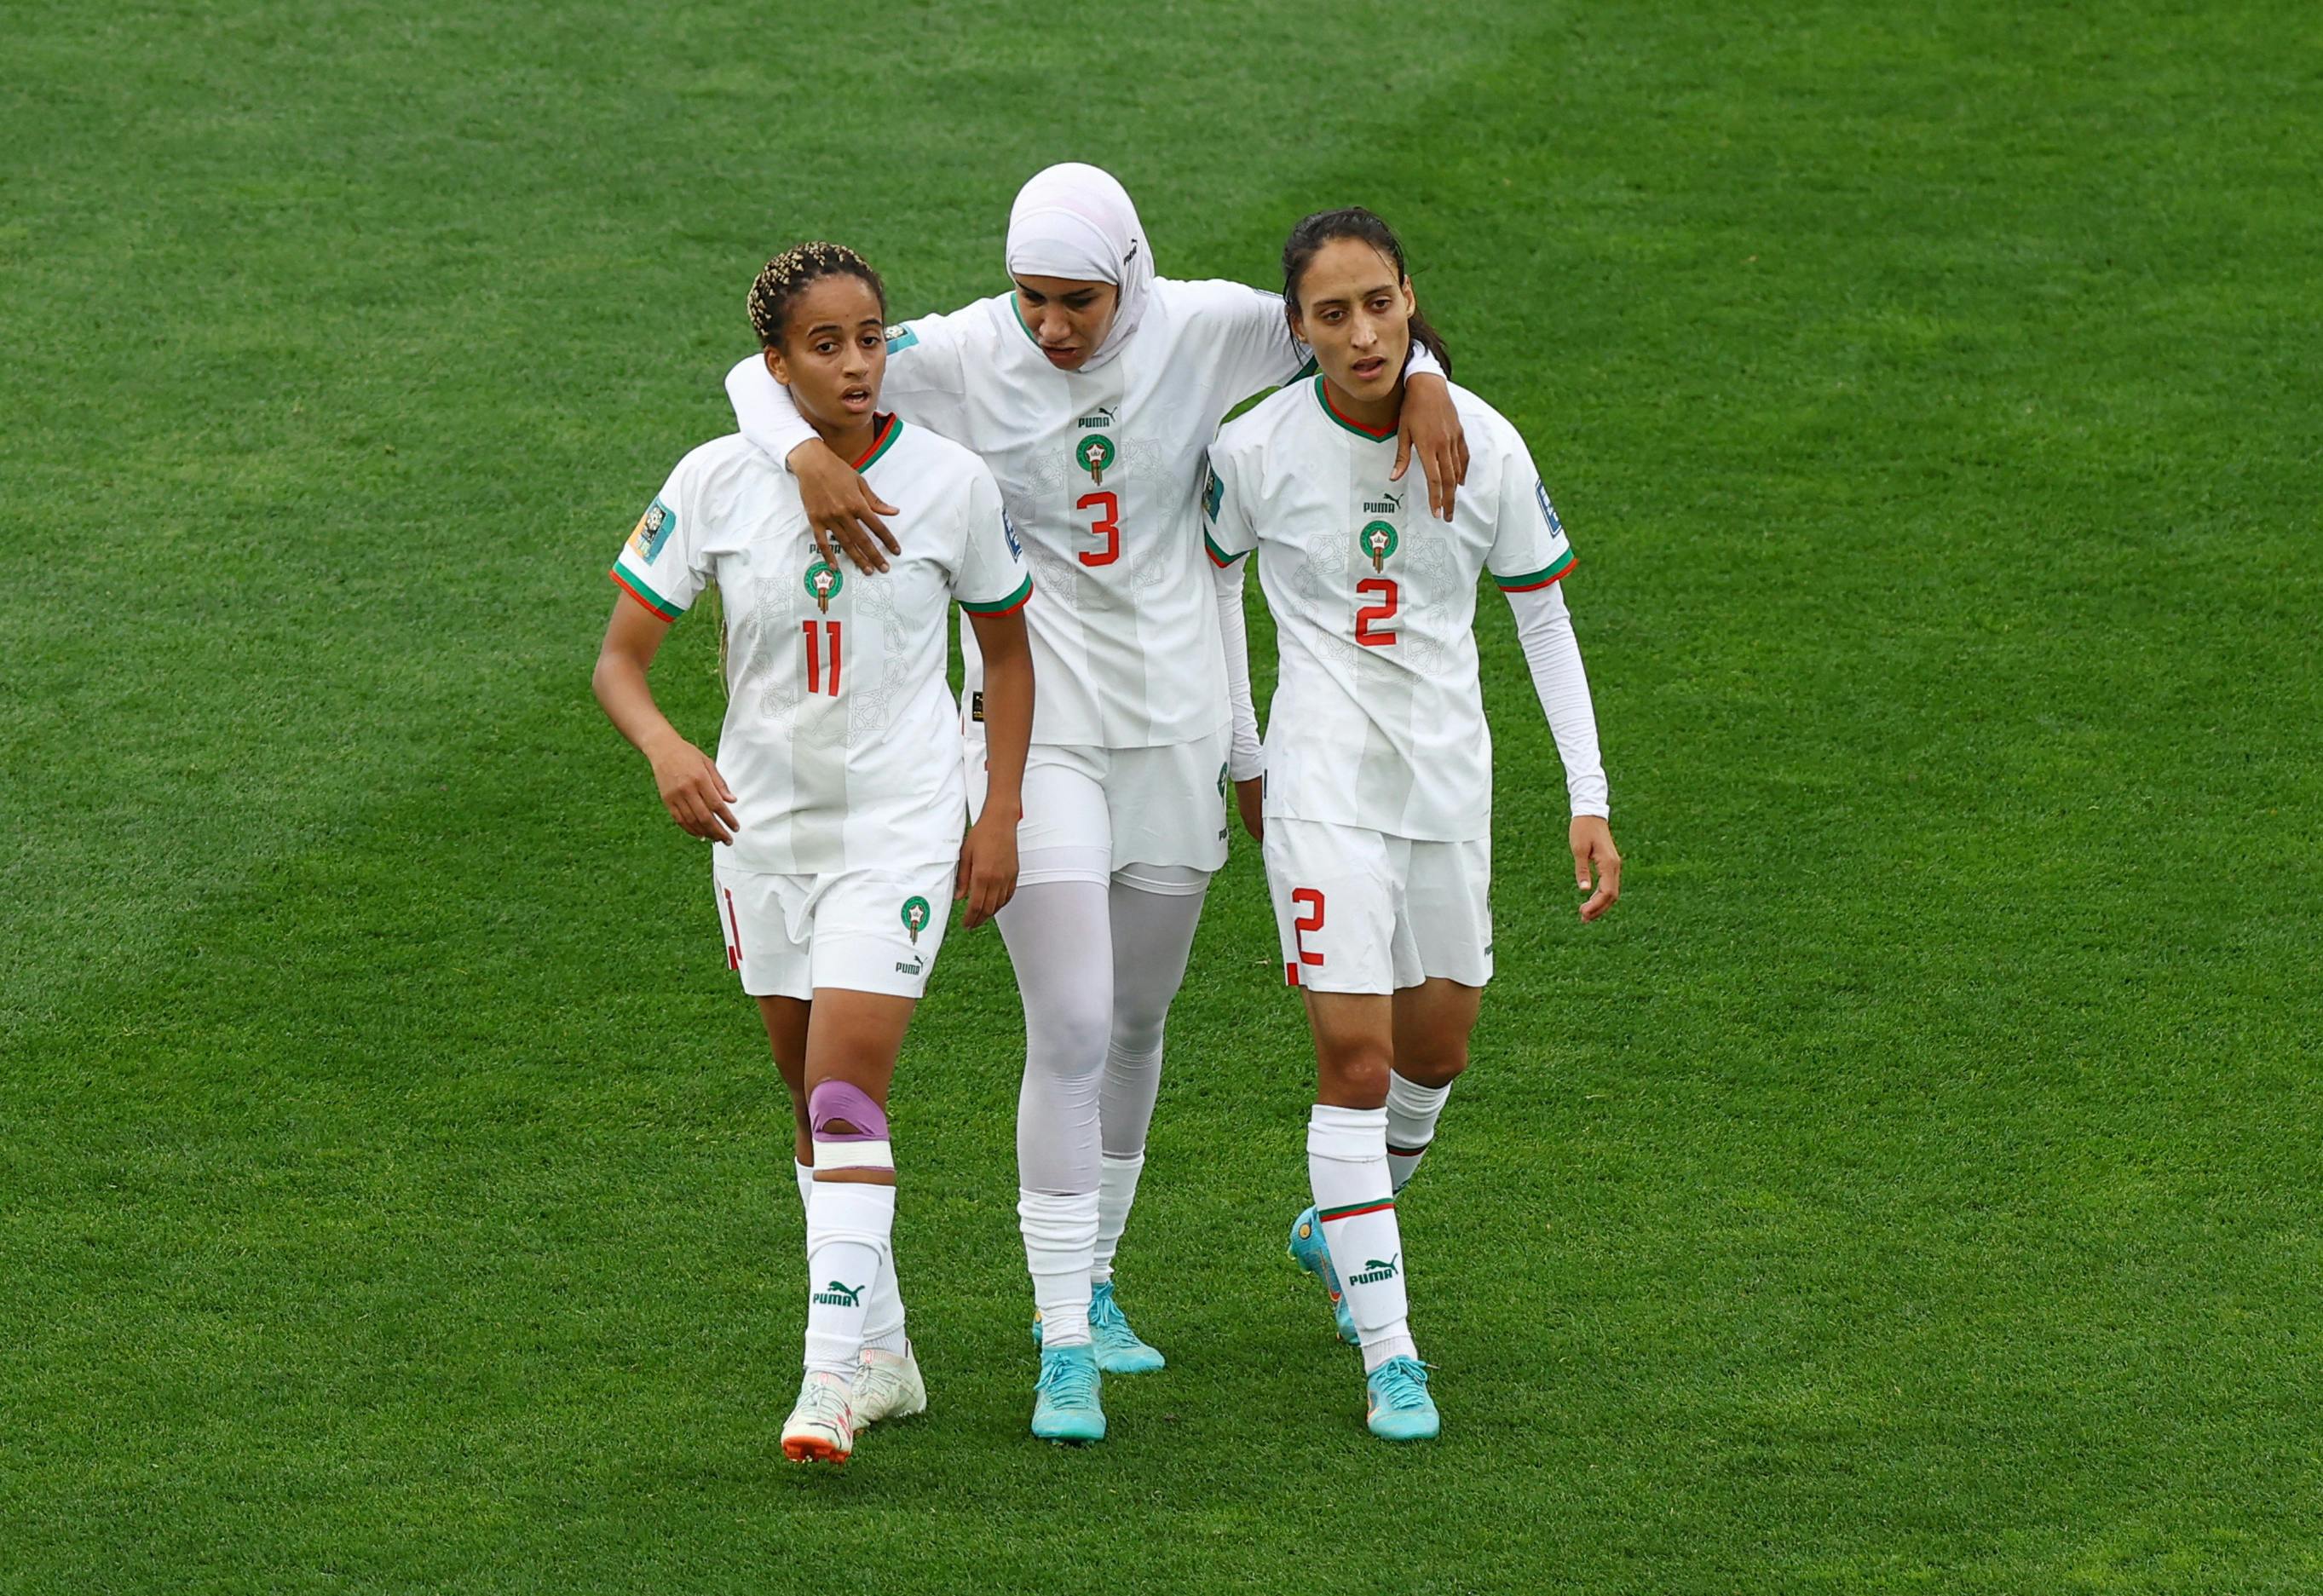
1437	1064
1355	1071
1068	1037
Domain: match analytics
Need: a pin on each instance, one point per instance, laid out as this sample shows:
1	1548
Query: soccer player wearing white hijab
1092	391
1378	810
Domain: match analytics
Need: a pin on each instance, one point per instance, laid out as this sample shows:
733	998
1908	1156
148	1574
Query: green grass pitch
1913	1187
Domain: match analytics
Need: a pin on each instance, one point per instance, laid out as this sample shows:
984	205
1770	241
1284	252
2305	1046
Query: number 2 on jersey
816	674
1107	527
1369	613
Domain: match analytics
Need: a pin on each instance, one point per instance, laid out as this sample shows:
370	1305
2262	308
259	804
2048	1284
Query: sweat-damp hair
1308	239
787	275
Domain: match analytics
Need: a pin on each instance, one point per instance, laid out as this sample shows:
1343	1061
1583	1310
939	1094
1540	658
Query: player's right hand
1250	801
839	504
696	796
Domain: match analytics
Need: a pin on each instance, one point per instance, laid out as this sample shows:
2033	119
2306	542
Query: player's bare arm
840	505
696	796
988	857
1430	428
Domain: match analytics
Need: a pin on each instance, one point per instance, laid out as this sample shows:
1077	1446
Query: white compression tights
1097	965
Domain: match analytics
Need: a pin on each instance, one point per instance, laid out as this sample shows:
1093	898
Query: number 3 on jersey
1371	615
1107	527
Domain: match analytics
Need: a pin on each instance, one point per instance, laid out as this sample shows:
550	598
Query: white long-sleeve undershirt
1553	653
1246	758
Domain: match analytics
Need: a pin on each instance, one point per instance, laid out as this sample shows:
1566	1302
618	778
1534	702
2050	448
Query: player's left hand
1592	845
1431	428
1250	803
988	869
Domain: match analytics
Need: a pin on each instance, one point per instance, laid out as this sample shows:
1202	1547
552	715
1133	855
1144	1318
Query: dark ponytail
1355	222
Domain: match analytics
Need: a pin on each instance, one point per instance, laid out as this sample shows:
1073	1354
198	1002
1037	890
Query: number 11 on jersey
816	646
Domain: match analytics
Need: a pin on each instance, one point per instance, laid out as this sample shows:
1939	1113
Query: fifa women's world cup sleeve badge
822	584
1377	541
915	917
1094	453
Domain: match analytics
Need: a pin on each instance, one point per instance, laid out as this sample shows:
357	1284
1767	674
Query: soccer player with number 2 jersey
1377	825
837	795
1092	389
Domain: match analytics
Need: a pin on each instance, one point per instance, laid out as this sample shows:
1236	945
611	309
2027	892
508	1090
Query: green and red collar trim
1358	428
889	428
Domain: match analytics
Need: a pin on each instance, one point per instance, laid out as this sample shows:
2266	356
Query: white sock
849	1226
883	1320
1060	1240
1346	1162
1116	1189
1412	1111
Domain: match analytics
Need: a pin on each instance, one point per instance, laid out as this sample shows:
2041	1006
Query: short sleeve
1530	548
1248	329
992	578
1228	534
661	566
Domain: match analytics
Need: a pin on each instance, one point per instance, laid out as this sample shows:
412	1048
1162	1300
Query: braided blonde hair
786	276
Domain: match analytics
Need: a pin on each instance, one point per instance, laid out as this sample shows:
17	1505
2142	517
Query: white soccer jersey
1378	721
840	741
1102	474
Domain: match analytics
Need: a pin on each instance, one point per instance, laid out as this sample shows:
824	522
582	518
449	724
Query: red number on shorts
1312	921
814	673
1372	612
1108	527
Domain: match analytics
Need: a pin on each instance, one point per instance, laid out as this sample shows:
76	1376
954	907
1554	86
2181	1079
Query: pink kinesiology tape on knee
834	1100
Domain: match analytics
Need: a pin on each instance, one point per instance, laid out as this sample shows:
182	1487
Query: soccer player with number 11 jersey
1377	826
836	797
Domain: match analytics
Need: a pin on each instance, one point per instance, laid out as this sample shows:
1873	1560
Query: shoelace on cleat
1069	1381
1403	1384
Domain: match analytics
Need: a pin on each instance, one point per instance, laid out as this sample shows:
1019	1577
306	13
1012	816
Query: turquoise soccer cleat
1400	1409
1064	1403
1311	1253
1120	1350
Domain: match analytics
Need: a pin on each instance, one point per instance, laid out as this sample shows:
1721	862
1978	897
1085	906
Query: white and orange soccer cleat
821	1427
887	1386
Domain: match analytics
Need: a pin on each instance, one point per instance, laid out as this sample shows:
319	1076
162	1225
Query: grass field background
1913	1187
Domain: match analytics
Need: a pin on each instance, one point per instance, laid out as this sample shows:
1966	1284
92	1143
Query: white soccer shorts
1091	811
1360	911
868	930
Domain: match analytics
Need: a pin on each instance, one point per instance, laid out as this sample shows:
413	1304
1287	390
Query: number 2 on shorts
1311	901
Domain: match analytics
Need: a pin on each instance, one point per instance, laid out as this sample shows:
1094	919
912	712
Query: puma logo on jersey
1390	505
1097	419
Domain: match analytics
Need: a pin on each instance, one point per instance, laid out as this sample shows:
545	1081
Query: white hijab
1075	221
